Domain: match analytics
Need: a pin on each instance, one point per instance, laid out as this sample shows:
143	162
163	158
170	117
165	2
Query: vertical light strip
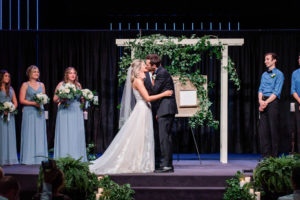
37	14
19	10
27	14
1	4
9	14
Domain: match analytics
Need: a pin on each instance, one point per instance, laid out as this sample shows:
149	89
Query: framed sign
186	97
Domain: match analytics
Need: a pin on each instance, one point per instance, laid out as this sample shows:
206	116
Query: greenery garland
183	59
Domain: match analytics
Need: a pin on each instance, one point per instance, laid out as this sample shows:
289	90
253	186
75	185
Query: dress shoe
164	170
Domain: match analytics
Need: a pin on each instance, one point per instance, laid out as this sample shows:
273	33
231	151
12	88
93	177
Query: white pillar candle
292	107
98	196
100	190
247	179
257	195
96	98
85	115
242	183
46	114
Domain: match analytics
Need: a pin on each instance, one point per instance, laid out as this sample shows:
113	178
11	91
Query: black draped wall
95	56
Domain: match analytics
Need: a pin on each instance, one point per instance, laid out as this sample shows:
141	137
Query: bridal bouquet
67	92
6	109
41	99
89	97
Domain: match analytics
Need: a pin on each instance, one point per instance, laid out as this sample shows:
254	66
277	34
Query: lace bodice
137	95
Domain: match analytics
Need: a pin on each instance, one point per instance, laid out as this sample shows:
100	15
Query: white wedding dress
132	150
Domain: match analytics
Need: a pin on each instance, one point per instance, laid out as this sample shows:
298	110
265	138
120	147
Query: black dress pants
165	138
297	132
269	129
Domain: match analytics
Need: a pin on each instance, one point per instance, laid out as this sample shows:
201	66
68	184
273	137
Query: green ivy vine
182	62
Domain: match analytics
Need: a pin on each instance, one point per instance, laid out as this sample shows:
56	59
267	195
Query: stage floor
190	180
181	167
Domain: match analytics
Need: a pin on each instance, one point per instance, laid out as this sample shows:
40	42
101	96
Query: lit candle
292	107
257	195
98	196
46	114
85	115
247	179
242	183
100	190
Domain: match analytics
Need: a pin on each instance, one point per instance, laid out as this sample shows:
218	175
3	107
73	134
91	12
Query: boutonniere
272	75
153	76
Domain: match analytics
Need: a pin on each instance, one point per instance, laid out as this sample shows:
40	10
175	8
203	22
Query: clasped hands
262	105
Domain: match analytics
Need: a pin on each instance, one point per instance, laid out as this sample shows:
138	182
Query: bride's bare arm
139	85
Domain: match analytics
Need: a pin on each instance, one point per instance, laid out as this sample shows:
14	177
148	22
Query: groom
164	111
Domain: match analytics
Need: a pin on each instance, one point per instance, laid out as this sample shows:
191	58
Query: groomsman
295	91
268	97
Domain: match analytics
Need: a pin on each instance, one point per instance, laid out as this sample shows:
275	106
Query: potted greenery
273	175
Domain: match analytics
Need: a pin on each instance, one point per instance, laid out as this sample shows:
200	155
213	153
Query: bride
132	150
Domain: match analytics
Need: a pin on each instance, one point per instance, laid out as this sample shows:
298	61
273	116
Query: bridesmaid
69	129
8	147
33	130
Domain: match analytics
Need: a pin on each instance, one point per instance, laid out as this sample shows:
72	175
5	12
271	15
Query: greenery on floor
80	183
272	177
113	191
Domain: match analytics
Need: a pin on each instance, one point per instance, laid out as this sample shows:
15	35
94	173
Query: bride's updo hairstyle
136	68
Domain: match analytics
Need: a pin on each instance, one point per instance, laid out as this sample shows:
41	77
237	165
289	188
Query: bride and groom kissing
144	142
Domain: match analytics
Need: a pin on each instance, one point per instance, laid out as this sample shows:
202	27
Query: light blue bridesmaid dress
33	132
69	132
8	147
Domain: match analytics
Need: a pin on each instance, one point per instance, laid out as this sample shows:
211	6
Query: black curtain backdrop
95	56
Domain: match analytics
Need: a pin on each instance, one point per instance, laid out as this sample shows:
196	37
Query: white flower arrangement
272	75
89	97
6	109
66	92
41	99
87	94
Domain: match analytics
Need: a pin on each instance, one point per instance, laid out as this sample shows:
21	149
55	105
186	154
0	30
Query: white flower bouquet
6	109
67	92
41	99
89	97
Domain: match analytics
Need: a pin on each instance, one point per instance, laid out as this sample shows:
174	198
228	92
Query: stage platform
190	180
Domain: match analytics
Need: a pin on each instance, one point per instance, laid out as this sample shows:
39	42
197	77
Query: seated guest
9	188
296	184
52	185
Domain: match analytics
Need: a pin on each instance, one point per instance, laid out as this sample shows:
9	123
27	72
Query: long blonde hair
67	71
136	68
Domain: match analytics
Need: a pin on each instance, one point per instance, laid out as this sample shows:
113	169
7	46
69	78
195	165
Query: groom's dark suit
166	110
149	87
